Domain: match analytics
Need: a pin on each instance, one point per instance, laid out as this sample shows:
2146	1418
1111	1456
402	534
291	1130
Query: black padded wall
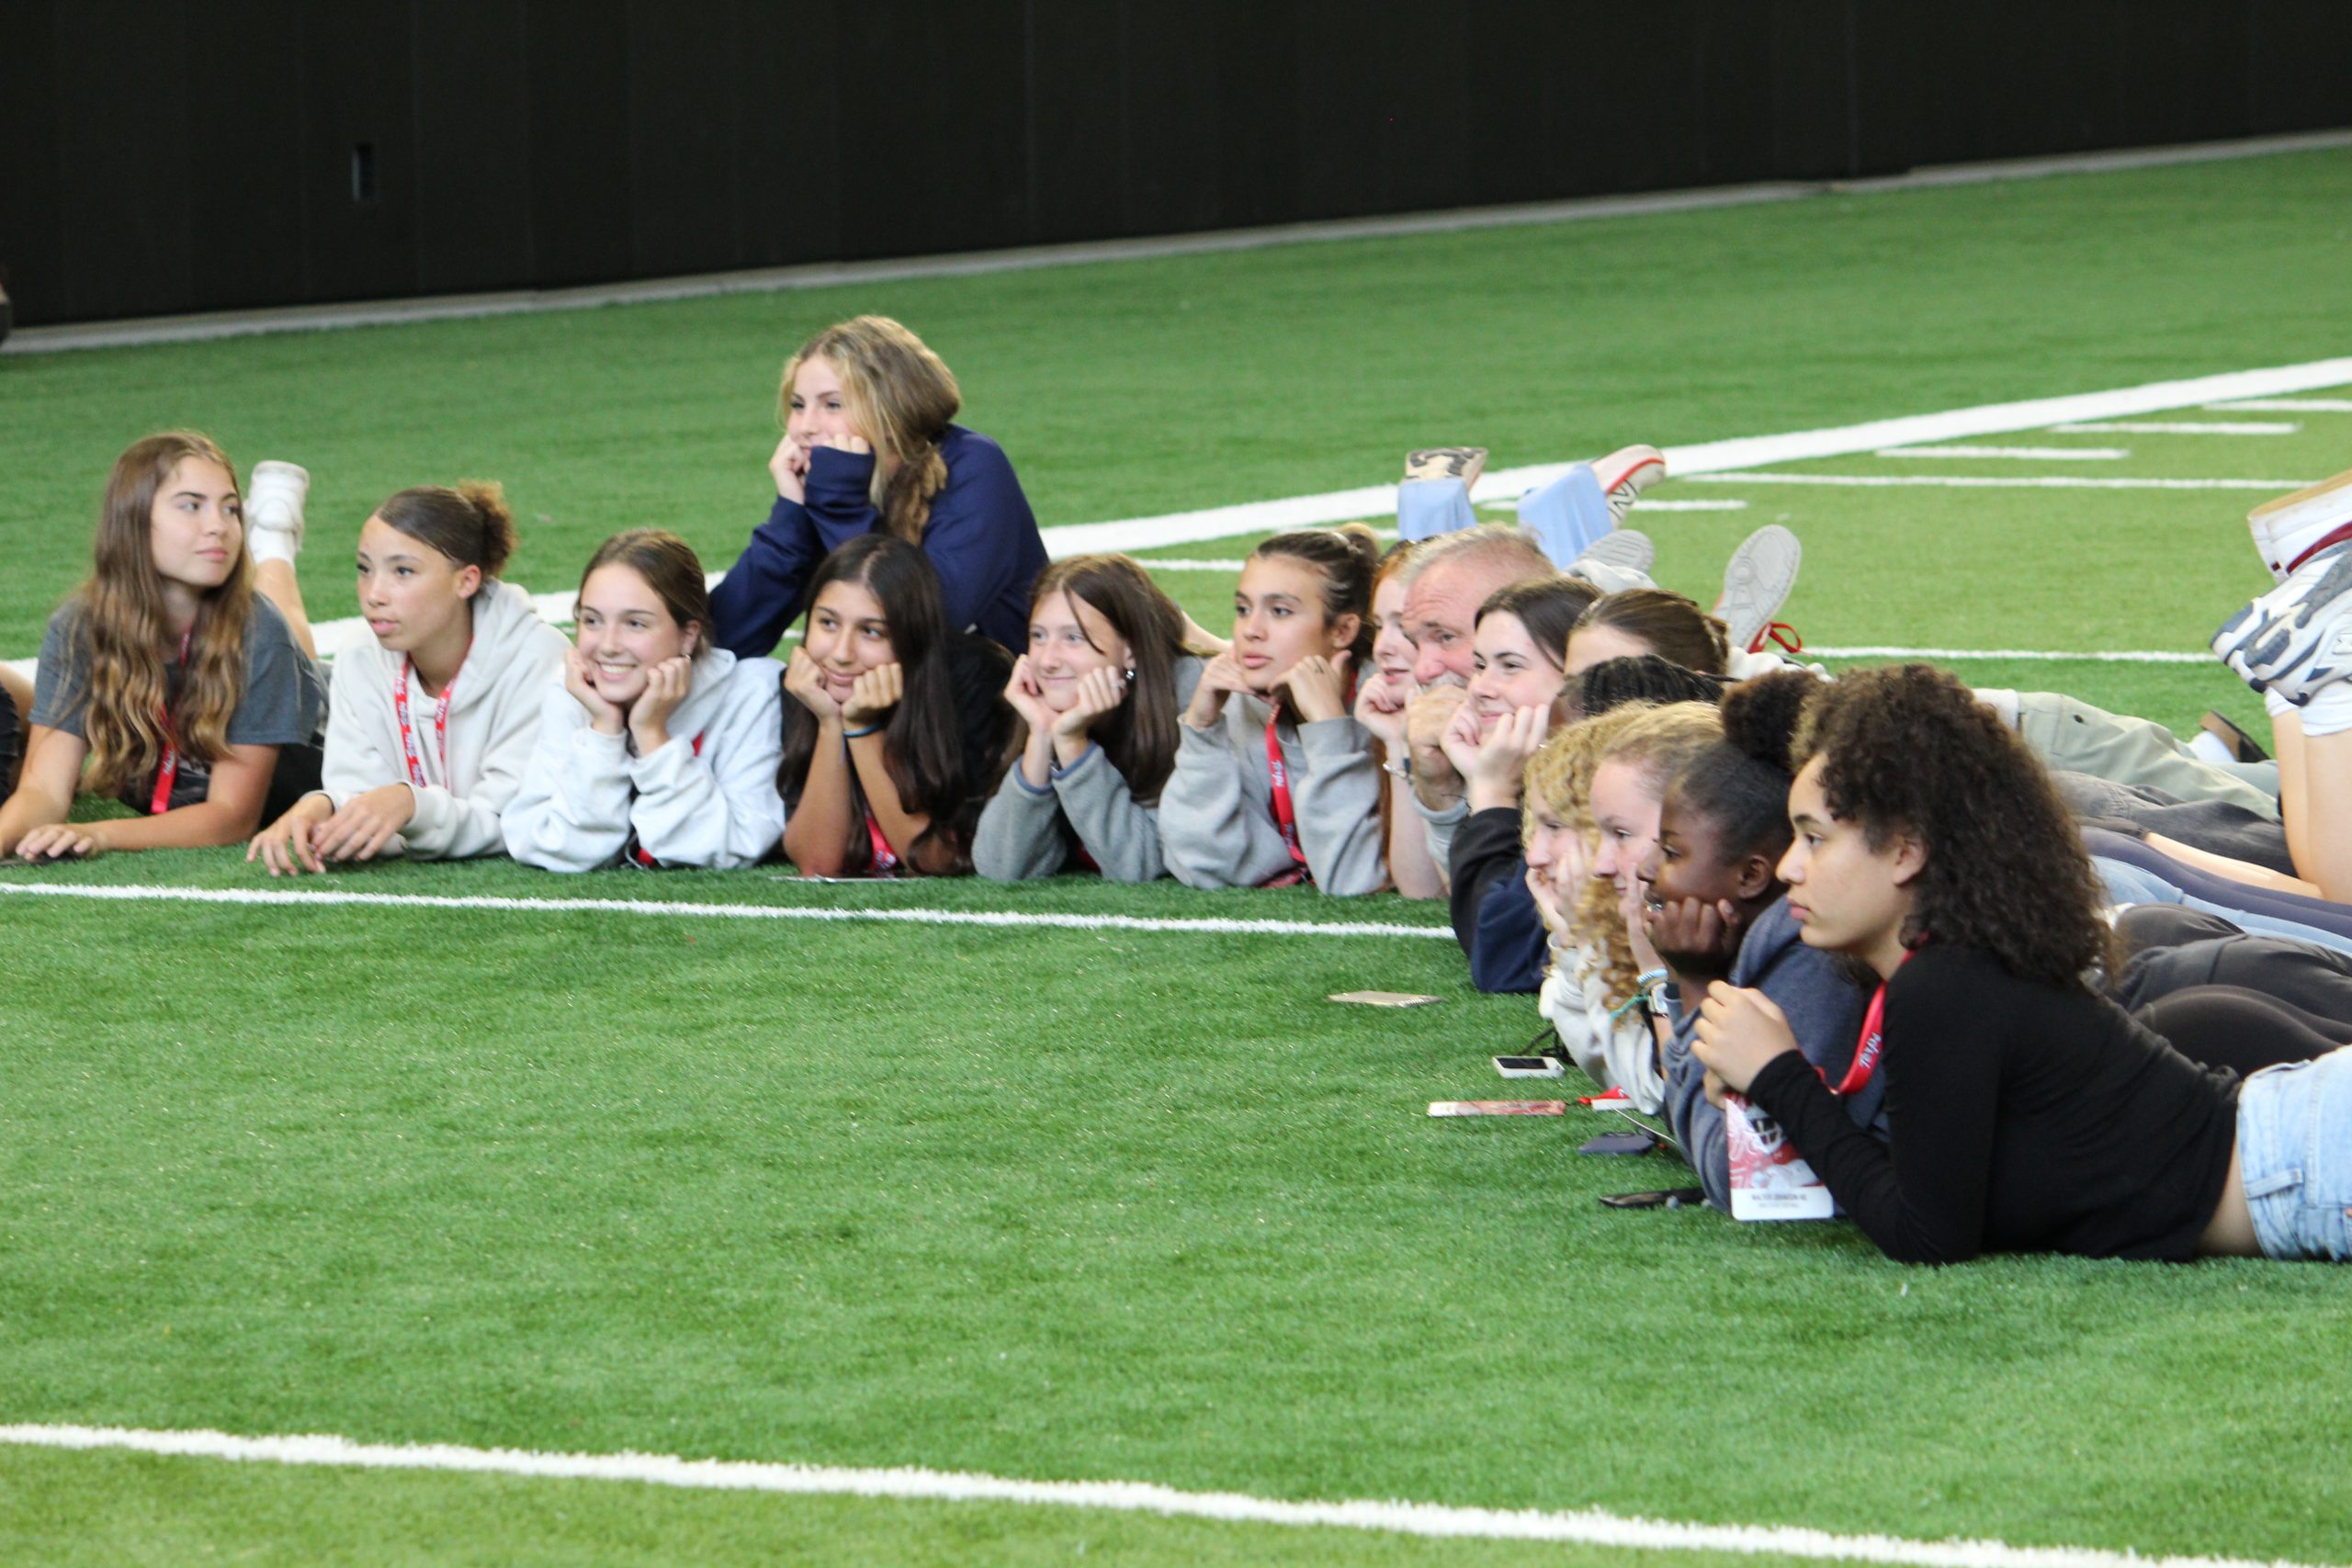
172	155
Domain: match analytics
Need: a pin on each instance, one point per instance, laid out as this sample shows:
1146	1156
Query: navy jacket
982	539
1495	918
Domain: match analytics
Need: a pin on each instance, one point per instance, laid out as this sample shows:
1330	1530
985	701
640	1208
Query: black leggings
2228	999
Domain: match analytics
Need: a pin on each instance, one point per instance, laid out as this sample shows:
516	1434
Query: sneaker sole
1757	582
2260	641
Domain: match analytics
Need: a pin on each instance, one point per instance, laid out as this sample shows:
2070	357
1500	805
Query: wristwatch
1659	998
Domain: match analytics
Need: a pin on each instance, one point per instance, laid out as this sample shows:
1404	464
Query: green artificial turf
1101	1202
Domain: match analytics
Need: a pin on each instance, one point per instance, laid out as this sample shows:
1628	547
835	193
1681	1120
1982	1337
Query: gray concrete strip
831	275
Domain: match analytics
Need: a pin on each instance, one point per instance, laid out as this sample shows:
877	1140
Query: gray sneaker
274	501
1757	581
1619	559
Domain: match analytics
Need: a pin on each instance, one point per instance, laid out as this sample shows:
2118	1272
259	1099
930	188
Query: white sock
2004	701
270	544
2329	710
2209	748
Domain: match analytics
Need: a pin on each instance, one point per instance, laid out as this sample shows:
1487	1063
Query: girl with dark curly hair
2026	1111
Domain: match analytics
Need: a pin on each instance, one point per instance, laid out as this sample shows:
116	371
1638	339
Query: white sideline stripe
826	275
2041	655
2056	454
1181	564
2180	427
1719	457
1991	481
1594	1527
2285	405
1641	506
137	893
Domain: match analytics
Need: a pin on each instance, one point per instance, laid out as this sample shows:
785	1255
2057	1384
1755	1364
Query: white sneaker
2298	637
1623	555
1624	474
2285	529
1757	582
274	509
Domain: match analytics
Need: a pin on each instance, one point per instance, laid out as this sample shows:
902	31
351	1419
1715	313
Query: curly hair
1742	784
1910	750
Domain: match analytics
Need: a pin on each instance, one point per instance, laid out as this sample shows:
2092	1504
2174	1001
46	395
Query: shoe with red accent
2292	529
1757	582
1625	473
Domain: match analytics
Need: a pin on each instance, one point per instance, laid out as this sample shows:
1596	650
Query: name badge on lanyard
1285	813
167	772
407	731
1869	1046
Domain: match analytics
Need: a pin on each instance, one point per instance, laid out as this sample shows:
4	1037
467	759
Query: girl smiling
660	748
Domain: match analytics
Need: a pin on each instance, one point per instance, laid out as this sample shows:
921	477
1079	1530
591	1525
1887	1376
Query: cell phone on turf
1627	1142
1672	1198
1527	1067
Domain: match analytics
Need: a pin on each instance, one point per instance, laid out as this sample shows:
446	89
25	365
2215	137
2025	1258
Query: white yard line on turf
2285	405
1716	458
2039	655
1593	1527
2034	453
673	908
1996	482
2178	427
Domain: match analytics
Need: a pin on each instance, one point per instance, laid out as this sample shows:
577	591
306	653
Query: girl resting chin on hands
659	749
1098	694
1275	780
893	723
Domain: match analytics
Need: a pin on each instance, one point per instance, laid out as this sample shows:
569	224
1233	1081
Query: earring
1131	671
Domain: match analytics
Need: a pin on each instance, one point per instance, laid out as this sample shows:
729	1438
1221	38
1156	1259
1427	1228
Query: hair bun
488	499
1760	716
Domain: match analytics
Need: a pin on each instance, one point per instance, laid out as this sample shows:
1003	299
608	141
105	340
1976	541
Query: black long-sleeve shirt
2020	1118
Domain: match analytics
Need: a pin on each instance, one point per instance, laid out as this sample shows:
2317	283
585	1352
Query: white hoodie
494	717
583	793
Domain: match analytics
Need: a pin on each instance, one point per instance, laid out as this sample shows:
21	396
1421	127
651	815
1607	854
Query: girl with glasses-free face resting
659	749
165	681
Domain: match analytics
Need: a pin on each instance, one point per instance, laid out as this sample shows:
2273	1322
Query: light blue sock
1568	515
1426	508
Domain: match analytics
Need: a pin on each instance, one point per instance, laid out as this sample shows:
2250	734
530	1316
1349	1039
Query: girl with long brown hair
870	445
659	747
1098	694
892	721
166	682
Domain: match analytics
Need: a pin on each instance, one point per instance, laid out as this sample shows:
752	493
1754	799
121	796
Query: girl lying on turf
431	718
165	681
659	749
2025	1111
870	445
1384	692
1518	692
1606	980
1715	908
1275	782
1097	696
893	723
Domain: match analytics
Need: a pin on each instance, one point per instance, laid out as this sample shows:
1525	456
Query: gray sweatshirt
1216	819
1823	1008
1025	831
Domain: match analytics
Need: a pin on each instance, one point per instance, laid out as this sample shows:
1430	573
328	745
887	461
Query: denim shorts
2295	1157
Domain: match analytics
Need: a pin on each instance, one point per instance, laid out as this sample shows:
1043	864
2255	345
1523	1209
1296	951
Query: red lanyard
1286	815
440	722
886	860
1871	1046
167	772
637	848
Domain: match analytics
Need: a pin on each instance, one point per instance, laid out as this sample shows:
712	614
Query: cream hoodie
584	793
493	718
